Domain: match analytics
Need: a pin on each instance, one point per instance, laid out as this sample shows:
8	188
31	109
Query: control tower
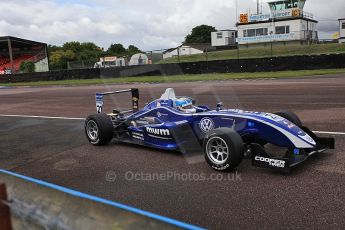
277	5
287	22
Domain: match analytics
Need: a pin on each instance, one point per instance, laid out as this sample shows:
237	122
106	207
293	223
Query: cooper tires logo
206	124
271	162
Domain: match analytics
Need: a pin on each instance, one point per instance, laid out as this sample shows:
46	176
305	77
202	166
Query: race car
224	136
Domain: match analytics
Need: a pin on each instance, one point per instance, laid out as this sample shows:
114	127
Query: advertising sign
267	38
108	59
259	17
243	18
275	14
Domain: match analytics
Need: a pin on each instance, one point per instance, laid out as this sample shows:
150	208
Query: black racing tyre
223	149
288	115
99	129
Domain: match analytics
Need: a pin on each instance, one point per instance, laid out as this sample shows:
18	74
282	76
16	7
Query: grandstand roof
18	42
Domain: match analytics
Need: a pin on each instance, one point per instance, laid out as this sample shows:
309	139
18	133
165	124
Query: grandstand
13	51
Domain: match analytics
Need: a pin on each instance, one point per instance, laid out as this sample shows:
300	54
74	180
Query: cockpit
180	103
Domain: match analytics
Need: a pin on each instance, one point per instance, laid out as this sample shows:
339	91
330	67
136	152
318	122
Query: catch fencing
312	62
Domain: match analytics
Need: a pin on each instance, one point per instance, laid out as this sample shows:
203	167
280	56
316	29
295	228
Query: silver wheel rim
217	150
92	130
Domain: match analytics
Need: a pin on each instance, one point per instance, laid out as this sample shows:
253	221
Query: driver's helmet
185	105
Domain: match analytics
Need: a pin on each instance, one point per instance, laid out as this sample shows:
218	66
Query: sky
147	24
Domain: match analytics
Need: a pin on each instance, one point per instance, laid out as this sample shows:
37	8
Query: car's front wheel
99	129
223	149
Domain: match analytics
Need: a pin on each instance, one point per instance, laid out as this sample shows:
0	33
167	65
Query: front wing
293	157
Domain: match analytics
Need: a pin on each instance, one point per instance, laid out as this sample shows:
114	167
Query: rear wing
135	99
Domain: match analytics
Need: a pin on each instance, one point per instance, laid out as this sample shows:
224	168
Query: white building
106	62
223	38
286	23
189	49
139	59
342	30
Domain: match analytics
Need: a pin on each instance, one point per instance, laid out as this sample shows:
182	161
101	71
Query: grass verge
277	51
183	78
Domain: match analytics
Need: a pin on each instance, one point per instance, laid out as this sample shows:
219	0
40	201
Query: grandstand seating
5	62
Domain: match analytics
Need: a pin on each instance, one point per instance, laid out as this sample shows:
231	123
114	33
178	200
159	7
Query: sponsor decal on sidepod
159	132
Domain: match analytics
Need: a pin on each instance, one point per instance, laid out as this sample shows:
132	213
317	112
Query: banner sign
276	14
267	38
108	59
259	17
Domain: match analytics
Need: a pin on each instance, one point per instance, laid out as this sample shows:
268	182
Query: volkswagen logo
206	124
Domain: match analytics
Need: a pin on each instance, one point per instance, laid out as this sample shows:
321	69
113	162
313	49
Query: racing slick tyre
99	129
223	149
291	117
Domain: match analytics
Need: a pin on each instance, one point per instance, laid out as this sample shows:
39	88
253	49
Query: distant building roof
226	30
18	42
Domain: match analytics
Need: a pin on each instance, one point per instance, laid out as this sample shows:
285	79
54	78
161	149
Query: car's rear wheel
99	129
290	116
223	149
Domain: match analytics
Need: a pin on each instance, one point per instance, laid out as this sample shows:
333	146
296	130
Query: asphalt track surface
56	151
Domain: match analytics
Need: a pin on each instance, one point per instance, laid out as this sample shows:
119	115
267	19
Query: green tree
72	51
200	34
74	46
27	67
59	59
131	50
116	49
52	48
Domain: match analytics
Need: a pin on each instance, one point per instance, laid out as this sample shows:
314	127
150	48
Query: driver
185	105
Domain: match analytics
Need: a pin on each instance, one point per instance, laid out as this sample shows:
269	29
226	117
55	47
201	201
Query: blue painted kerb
104	201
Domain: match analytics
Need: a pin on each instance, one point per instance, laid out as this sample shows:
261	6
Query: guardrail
35	204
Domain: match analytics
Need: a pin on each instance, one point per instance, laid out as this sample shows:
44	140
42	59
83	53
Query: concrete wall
42	65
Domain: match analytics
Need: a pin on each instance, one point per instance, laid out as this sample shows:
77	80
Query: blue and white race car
224	136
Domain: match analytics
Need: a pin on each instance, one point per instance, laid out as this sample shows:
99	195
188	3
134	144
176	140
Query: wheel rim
92	130
217	150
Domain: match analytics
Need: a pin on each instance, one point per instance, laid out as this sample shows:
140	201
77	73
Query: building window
255	32
261	31
251	33
343	25
219	35
282	29
282	5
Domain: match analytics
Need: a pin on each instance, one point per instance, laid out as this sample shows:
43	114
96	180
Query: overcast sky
148	24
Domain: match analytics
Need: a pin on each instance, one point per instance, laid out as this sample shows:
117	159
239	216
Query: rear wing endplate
135	99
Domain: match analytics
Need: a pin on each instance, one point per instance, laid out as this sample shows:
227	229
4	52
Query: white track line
44	117
333	133
78	118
